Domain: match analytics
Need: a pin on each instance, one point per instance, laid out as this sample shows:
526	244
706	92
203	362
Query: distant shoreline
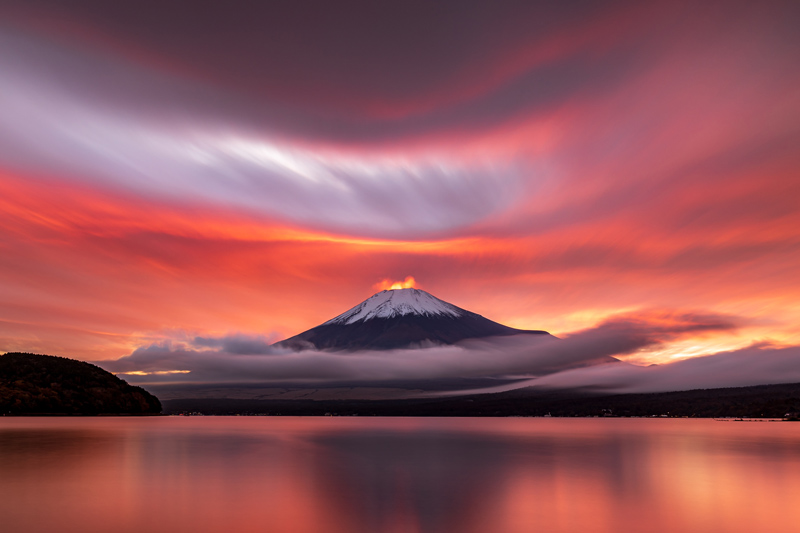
758	402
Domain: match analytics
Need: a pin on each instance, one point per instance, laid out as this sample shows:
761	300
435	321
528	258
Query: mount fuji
399	318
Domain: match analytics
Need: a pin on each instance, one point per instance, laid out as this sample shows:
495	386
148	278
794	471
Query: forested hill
44	384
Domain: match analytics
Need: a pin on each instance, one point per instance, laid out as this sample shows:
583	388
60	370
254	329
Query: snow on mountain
396	319
397	302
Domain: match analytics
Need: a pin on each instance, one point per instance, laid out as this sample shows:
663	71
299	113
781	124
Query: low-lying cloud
586	358
759	364
237	343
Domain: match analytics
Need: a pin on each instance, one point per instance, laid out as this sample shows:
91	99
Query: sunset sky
171	171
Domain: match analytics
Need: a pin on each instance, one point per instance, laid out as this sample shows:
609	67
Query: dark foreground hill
770	401
44	384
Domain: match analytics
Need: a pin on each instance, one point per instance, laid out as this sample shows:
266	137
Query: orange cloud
93	275
387	284
649	172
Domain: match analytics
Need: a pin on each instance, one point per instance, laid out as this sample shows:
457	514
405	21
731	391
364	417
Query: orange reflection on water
398	475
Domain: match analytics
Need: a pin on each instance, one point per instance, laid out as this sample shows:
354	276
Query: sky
248	170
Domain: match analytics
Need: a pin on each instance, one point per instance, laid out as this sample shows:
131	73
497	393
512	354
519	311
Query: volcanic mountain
399	318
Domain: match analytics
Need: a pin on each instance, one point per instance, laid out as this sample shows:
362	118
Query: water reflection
405	475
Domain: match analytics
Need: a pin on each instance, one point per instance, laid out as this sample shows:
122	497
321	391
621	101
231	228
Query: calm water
397	475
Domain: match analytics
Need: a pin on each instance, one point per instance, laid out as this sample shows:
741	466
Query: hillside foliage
45	384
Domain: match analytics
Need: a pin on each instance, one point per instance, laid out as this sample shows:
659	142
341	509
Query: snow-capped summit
399	318
397	302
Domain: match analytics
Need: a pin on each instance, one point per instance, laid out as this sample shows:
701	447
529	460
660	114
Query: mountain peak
399	318
397	302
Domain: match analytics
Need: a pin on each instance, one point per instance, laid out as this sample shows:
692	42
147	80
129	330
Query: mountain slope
399	318
44	384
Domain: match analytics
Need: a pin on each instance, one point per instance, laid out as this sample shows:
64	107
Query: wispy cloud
542	165
242	359
756	365
51	123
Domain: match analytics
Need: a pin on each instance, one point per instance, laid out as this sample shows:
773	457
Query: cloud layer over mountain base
250	366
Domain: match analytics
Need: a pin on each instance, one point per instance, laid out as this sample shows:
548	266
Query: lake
349	475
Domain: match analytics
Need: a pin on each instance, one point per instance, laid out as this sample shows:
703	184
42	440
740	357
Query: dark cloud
315	54
347	72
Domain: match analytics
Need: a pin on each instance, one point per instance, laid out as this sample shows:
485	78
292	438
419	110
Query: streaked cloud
548	167
51	124
754	365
